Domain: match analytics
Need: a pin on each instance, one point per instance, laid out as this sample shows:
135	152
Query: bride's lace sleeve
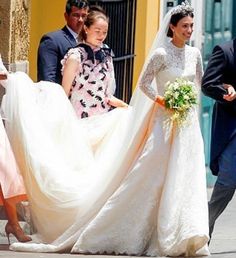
199	69
152	68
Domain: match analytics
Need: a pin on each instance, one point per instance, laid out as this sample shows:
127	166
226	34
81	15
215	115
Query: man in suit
54	45
219	83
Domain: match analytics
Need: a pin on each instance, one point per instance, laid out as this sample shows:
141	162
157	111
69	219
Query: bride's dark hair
176	17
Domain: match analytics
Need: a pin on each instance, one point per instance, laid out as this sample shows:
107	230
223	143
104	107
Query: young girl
88	73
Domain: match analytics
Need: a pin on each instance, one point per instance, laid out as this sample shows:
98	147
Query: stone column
14	39
14	31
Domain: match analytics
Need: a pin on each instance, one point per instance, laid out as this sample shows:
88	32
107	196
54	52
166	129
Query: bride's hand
160	100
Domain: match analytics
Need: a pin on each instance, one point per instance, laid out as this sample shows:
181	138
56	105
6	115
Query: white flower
180	96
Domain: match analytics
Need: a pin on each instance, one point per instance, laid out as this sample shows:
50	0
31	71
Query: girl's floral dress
94	82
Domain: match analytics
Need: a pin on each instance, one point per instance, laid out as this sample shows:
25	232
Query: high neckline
177	48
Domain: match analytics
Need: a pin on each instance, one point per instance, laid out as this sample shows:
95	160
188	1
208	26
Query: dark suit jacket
221	69
52	48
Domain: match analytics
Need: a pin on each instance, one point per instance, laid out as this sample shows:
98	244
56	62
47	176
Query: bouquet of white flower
180	96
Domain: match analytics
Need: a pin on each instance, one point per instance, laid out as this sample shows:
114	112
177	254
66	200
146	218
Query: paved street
223	244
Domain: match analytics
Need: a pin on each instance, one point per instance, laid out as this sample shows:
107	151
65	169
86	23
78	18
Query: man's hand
3	75
231	92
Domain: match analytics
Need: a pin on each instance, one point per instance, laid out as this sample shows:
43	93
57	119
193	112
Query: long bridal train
114	183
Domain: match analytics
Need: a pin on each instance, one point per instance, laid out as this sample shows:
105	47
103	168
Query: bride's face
183	30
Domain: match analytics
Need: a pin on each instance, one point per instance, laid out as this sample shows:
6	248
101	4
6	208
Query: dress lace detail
153	67
187	59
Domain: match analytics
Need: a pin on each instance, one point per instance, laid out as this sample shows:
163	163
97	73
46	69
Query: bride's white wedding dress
122	182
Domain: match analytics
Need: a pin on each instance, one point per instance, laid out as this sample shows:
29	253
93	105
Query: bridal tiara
184	6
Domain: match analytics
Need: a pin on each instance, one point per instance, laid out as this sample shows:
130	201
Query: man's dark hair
97	8
81	4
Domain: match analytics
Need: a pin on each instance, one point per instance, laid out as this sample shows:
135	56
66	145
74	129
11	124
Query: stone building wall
14	33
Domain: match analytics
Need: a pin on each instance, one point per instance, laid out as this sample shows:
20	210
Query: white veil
142	107
141	104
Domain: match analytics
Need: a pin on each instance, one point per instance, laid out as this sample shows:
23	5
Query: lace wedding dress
161	207
112	184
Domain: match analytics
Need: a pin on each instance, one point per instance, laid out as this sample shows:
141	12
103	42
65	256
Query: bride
121	182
